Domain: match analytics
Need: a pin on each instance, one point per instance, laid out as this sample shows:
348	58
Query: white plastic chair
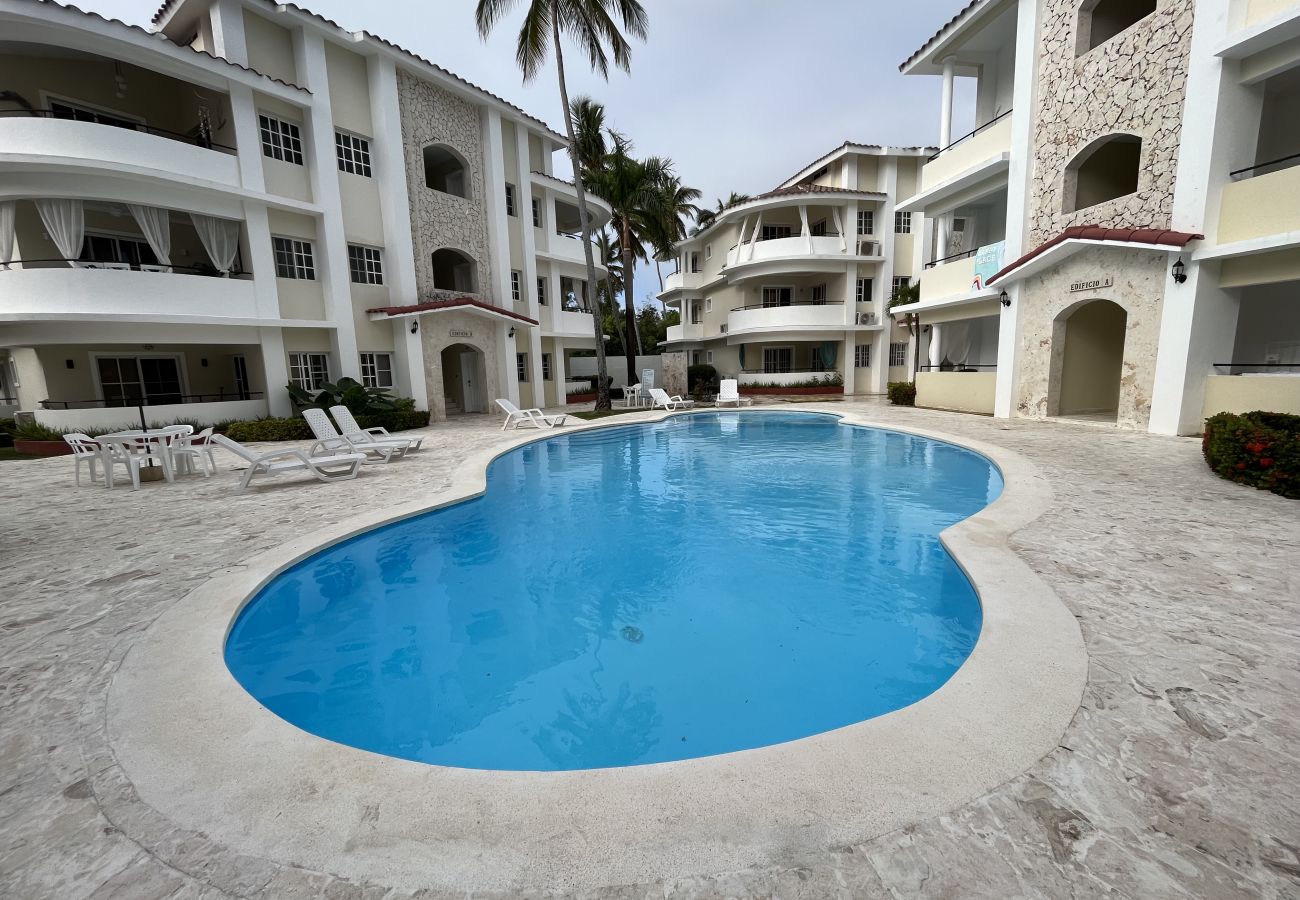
335	467
328	440
354	432
85	449
534	417
186	451
663	401
631	395
132	454
729	392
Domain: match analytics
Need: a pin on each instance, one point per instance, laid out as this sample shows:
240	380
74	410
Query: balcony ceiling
984	29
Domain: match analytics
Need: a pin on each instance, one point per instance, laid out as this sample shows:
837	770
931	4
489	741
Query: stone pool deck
1176	778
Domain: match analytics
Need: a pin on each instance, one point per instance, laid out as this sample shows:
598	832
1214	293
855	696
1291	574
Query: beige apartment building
793	285
249	195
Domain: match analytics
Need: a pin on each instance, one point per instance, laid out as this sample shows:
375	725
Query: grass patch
9	453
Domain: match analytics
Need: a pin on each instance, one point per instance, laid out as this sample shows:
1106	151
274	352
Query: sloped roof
1149	237
453	303
938	35
825	157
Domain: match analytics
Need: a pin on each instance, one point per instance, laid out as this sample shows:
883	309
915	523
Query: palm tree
707	217
677	203
905	295
591	25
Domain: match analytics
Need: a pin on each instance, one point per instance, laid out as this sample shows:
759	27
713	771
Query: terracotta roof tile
1150	236
846	145
797	189
938	34
454	303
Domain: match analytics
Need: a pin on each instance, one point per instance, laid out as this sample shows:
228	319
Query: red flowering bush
1261	449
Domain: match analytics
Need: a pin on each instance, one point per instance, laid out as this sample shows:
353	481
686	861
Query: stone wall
674	366
1046	302
431	115
438	332
1135	84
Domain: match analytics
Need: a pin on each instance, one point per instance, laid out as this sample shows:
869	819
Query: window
546	367
353	153
454	271
1105	169
695	262
865	286
516	286
1101	20
365	264
541	290
898	354
521	367
866	221
777	360
280	140
445	171
510	200
708	357
293	259
775	232
695	312
708	251
537	212
818	228
109	248
902	223
819	294
708	304
125	380
377	369
902	282
309	371
862	356
777	296
77	112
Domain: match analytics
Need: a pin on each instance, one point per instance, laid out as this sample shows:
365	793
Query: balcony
38	137
567	323
796	317
103	294
1264	206
967	391
685	332
989	141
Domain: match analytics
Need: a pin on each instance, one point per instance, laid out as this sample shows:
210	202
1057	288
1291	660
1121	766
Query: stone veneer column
389	171
318	150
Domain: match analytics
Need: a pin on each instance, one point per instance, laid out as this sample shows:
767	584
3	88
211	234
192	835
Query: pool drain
633	634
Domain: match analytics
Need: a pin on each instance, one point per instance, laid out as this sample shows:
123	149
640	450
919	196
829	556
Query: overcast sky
741	94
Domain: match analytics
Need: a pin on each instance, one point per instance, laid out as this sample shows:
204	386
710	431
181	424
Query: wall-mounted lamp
512	332
1179	271
415	325
70	364
1006	301
203	363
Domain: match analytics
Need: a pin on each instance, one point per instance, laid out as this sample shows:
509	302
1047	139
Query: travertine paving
1176	778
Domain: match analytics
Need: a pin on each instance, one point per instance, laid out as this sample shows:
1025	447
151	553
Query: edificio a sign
1095	284
459	332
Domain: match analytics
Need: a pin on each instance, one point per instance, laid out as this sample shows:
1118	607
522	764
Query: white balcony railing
823	317
106	293
801	246
66	142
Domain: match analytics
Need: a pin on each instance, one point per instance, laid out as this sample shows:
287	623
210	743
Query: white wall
616	366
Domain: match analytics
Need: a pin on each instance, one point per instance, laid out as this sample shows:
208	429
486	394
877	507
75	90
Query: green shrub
35	431
350	393
703	372
902	393
1261	449
269	429
830	379
397	420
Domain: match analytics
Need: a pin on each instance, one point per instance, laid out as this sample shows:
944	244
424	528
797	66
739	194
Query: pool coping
204	753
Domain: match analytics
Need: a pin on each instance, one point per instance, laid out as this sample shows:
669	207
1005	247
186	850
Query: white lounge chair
534	417
662	401
328	440
729	392
356	434
335	467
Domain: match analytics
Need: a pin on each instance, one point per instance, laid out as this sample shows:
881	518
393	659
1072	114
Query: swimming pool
649	593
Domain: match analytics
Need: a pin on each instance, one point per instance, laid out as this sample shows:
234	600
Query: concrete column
945	104
1018	193
228	31
248	140
559	371
888	185
535	365
494	200
332	243
261	260
408	362
848	361
525	189
388	168
275	366
507	372
30	384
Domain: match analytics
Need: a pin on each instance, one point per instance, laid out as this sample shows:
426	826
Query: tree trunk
629	304
602	377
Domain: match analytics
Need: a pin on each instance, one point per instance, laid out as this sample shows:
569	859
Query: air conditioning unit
866	318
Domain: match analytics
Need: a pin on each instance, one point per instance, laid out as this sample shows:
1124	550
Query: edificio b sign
1095	284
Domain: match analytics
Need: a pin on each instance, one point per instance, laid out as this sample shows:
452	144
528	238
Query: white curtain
6	233
220	237
935	357
65	222
156	225
956	342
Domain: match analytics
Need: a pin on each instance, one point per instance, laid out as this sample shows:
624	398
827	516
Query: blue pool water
634	595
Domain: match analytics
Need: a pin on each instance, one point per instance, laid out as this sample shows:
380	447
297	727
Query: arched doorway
464	379
1089	344
454	271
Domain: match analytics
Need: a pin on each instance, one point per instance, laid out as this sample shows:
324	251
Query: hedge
296	429
1261	449
902	393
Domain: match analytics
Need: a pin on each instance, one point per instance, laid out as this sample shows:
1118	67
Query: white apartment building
1118	241
794	284
249	195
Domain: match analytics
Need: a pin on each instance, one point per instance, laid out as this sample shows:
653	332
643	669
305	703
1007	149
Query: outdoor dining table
149	442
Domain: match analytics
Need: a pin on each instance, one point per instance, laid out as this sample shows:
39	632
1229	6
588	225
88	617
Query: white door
469	381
